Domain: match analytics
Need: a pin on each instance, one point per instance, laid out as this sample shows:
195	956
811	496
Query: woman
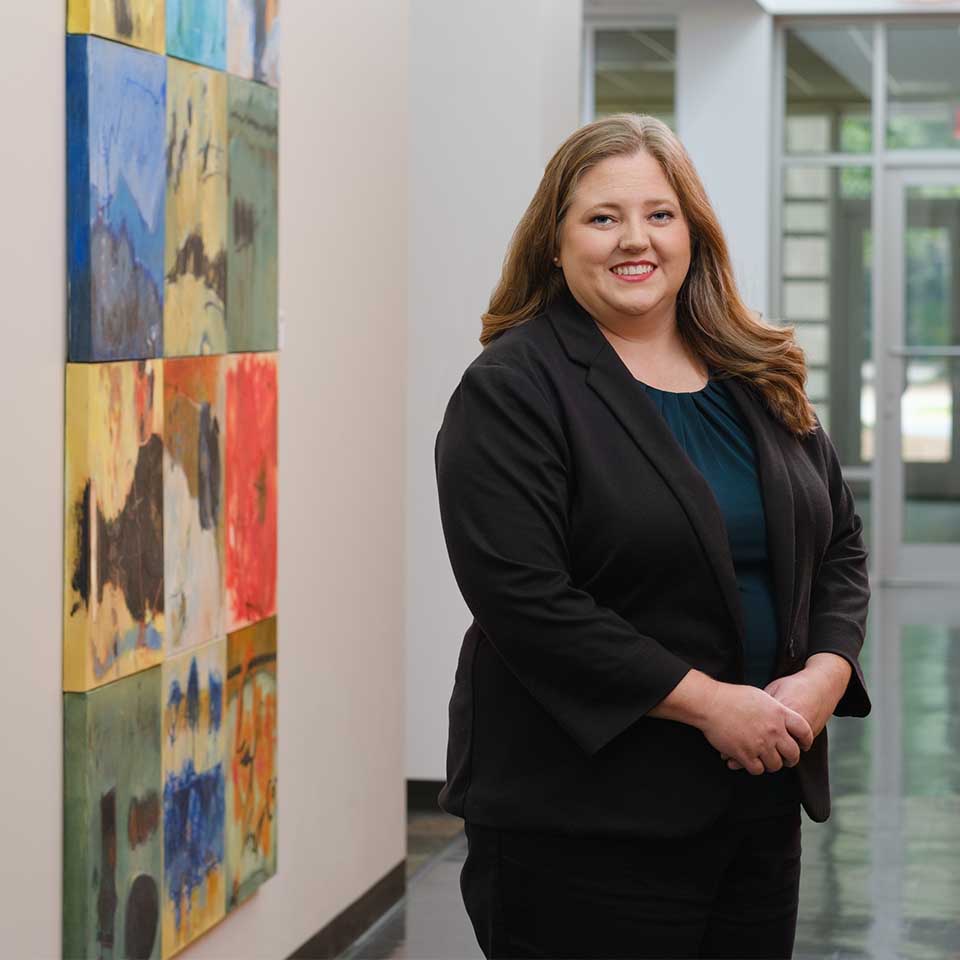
666	573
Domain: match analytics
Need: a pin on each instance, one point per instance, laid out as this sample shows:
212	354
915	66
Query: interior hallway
880	879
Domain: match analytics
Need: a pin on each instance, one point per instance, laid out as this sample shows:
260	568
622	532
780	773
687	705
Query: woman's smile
633	272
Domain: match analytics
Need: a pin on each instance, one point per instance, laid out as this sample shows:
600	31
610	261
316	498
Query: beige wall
343	291
31	476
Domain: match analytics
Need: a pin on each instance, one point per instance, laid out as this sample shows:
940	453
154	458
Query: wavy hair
712	319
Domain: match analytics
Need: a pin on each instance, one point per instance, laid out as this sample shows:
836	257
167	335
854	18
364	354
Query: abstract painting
196	227
194	399
194	794
252	230
197	31
116	120
137	22
253	46
113	522
170	470
251	720
111	826
251	488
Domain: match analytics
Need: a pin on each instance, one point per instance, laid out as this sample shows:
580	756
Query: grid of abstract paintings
170	497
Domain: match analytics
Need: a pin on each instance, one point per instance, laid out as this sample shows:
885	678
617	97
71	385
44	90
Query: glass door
918	442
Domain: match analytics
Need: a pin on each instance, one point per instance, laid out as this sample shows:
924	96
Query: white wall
343	264
724	116
494	89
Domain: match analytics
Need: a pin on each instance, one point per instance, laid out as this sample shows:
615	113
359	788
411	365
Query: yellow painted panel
196	222
113	522
141	23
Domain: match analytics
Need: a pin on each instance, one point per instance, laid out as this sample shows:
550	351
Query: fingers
790	752
772	761
754	766
786	754
798	728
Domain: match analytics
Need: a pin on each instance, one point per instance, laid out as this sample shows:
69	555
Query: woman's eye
659	213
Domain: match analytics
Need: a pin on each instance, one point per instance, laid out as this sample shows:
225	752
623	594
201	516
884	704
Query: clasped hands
762	731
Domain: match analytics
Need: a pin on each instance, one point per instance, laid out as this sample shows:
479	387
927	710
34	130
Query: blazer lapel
615	385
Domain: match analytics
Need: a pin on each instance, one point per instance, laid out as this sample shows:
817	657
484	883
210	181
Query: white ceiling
847	7
780	7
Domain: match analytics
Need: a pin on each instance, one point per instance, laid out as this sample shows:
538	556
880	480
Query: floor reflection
881	878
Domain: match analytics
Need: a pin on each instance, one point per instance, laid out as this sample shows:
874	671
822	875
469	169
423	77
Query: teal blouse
709	426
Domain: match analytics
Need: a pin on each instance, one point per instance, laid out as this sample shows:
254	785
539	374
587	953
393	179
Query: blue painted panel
197	31
116	177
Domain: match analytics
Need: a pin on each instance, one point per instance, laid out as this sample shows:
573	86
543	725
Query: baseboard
349	924
422	794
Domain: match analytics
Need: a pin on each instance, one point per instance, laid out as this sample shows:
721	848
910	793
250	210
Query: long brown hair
712	319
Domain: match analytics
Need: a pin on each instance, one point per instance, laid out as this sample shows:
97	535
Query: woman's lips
634	277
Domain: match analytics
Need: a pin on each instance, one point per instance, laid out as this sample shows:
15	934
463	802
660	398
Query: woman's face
623	219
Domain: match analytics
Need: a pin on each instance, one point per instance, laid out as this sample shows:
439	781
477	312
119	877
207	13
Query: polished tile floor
880	879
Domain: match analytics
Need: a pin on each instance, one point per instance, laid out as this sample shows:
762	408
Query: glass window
635	72
930	402
828	80
923	86
825	294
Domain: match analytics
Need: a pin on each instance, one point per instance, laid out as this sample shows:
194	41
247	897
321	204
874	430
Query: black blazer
595	561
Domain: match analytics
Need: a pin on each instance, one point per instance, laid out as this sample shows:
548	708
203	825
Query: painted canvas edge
79	277
76	460
78	16
75	816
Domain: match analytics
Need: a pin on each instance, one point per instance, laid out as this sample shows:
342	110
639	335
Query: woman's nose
634	238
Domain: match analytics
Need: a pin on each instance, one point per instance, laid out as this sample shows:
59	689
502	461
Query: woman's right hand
750	726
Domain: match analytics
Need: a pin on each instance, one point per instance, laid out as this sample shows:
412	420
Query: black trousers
730	891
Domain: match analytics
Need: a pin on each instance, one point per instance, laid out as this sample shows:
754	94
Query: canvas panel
251	488
251	835
112	854
194	402
194	793
113	522
252	227
196	206
116	163
253	45
136	22
197	31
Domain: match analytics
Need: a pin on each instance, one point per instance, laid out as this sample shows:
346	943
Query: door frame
900	563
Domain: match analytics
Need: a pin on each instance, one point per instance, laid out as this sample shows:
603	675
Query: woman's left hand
813	692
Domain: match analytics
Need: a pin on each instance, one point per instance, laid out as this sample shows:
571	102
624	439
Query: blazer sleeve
841	592
502	466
